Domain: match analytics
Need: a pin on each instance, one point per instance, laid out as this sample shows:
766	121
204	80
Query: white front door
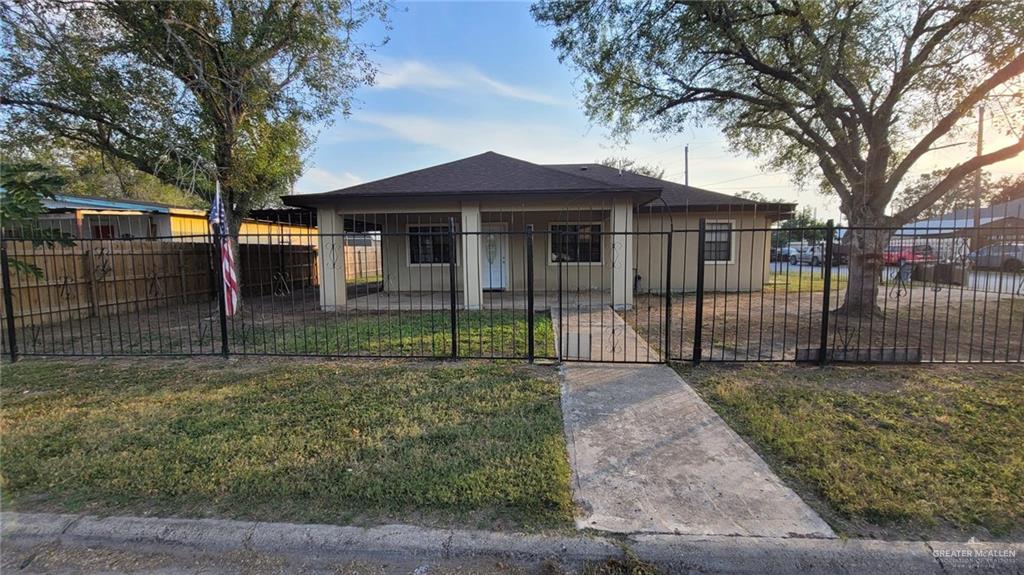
494	267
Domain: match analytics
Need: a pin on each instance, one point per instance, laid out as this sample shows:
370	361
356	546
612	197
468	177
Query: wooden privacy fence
100	277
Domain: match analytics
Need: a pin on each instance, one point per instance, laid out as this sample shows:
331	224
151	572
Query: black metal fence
718	292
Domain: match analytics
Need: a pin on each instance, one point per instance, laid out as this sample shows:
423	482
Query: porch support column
472	291
331	259
622	253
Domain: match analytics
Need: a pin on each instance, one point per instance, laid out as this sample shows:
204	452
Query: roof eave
331	198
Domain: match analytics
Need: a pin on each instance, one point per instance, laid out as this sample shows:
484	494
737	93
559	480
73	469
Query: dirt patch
947	325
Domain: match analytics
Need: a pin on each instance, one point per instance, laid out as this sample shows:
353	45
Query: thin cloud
316	180
413	74
532	141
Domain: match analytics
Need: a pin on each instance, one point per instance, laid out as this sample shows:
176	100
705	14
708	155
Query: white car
813	255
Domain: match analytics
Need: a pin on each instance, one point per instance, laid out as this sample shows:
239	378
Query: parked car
784	254
813	255
894	255
1007	257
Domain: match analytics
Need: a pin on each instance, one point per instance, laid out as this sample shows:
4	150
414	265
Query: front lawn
481	334
472	444
909	451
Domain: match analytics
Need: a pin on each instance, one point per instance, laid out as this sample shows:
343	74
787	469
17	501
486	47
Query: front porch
587	253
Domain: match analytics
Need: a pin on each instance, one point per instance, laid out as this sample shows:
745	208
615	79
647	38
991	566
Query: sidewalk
35	543
650	456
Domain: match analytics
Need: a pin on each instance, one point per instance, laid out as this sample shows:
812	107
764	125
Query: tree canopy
182	90
853	93
23	189
86	171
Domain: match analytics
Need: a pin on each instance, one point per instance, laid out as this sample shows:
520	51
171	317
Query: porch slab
511	299
650	456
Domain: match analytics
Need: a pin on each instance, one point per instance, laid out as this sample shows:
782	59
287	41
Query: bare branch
954	177
1012	69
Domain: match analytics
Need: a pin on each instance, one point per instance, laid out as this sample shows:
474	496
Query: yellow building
102	218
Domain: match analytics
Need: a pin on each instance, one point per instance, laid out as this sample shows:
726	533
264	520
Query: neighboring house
588	218
114	219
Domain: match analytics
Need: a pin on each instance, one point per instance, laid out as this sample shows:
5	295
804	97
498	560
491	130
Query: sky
459	79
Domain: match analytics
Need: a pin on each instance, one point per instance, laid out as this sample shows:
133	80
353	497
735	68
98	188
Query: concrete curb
673	553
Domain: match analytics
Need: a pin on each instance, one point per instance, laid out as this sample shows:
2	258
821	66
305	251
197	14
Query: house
603	224
112	219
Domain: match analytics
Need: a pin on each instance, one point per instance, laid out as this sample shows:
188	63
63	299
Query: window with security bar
430	244
575	243
718	242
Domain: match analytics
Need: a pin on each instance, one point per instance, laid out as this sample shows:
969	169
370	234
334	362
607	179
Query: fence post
5	269
530	348
830	232
218	247
698	314
668	299
453	297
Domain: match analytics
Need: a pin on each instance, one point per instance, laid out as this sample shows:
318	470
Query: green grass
809	280
477	444
401	333
913	451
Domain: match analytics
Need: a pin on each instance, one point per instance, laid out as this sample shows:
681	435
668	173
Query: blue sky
458	79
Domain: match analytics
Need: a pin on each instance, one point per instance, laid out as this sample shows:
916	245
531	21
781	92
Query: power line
788	187
758	175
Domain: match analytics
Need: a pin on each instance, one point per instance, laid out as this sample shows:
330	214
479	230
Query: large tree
960	197
85	171
184	90
855	93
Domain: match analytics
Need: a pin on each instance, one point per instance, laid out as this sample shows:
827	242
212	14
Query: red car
894	255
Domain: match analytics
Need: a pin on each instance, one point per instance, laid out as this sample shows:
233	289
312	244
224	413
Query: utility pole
686	165
977	173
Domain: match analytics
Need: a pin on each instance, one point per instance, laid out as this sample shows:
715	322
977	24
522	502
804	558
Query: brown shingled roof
491	173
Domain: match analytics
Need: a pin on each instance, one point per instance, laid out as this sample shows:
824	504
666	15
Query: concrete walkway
598	333
650	456
51	543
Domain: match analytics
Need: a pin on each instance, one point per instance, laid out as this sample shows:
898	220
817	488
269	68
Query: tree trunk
865	273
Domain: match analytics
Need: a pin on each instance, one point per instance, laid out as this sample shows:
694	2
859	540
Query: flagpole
218	240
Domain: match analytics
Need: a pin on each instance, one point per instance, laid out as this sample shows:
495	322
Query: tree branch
954	177
1012	69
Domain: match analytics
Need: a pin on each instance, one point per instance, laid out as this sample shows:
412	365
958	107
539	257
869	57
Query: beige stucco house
593	228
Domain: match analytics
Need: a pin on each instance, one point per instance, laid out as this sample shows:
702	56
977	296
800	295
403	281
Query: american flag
219	223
